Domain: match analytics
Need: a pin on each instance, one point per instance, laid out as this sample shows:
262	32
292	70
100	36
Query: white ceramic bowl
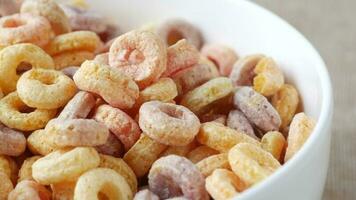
249	29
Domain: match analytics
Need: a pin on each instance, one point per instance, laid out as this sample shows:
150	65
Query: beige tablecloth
331	27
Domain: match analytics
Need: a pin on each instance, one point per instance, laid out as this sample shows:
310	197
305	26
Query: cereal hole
11	23
23	67
26	109
172	112
174	36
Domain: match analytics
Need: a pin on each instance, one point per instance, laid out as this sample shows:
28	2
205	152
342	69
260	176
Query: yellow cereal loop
251	163
6	185
71	58
269	78
26	168
207	93
74	41
274	143
64	165
12	56
142	154
163	90
5	166
14	113
286	102
105	181
222	138
299	131
211	163
120	166
39	143
223	184
201	153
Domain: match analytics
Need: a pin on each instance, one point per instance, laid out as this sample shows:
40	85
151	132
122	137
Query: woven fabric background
331	26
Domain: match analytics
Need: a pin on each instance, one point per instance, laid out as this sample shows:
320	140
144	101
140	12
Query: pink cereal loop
243	70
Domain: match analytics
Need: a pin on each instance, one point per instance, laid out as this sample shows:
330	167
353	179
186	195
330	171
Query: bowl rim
326	111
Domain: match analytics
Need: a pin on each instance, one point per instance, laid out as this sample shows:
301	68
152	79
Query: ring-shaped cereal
25	172
199	98
222	56
113	86
11	167
139	54
6	185
174	30
14	114
201	153
12	143
71	58
112	146
9	7
119	123
251	163
238	121
29	189
274	143
39	144
12	56
73	41
45	89
179	150
145	194
105	181
211	163
79	106
243	70
168	123
120	166
64	165
76	132
51	11
173	176
23	28
63	190
142	154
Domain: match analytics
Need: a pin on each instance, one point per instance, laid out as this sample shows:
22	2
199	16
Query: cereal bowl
249	29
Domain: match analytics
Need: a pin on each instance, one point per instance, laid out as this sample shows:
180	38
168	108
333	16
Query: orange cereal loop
29	189
274	143
222	138
269	77
201	153
45	89
251	163
105	181
73	41
173	30
140	55
211	163
113	86
11	57
286	102
64	165
224	184
180	56
213	90
24	28
5	165
71	58
179	150
39	144
223	57
299	131
51	11
25	172
142	154
15	114
63	190
6	185
120	166
12	142
243	70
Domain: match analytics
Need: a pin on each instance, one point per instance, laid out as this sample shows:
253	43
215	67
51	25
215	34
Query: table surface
329	25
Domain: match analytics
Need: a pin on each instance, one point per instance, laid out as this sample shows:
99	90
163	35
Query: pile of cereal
153	113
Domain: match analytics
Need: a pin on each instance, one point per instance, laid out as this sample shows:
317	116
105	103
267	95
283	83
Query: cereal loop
211	163
51	11
6	185
274	143
113	86
9	7
213	90
71	58
222	138
28	189
142	155
63	190
145	195
12	143
223	184
201	153
105	181
9	166
79	106
243	70
179	150
238	121
39	144
23	28
251	163
174	30
73	41
112	147
12	56
173	176
257	109
45	89
64	165
168	123
15	114
299	131
140	55
25	172
222	56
